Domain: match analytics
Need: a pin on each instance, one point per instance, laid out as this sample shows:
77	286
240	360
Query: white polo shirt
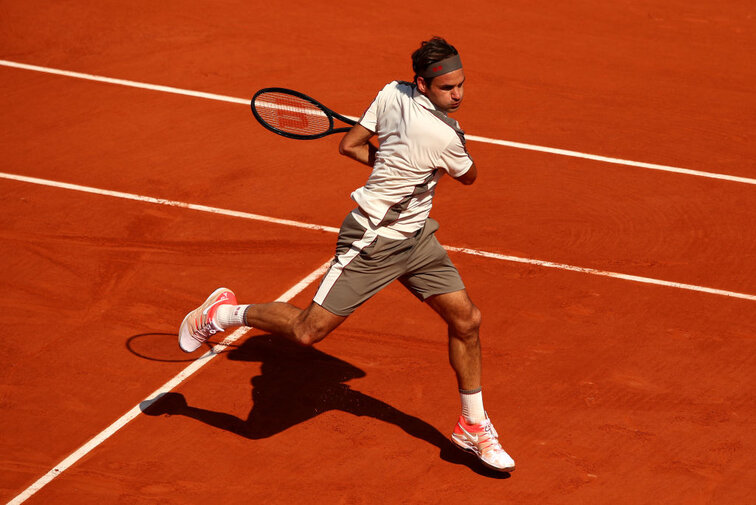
415	149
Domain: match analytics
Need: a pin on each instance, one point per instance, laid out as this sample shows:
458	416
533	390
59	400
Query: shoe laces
489	440
204	331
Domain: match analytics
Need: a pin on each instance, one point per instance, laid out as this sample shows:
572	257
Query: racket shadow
295	385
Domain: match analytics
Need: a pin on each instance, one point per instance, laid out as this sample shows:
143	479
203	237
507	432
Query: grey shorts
365	263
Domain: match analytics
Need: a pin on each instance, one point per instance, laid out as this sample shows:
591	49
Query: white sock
472	406
228	316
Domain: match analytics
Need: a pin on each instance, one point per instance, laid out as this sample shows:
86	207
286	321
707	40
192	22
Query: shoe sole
468	448
184	331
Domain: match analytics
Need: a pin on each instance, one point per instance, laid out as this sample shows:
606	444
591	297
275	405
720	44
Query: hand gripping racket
295	115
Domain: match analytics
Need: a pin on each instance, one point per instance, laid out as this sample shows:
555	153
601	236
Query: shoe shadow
298	383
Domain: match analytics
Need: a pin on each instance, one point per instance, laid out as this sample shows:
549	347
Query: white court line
616	161
507	143
602	273
297	224
170	203
165	388
124	82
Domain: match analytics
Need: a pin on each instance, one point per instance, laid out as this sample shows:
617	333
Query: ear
422	86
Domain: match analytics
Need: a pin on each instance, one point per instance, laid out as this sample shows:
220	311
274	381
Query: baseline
475	138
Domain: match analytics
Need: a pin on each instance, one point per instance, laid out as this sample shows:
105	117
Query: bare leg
463	319
305	327
275	317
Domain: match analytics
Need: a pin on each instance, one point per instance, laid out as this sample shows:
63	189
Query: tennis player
390	236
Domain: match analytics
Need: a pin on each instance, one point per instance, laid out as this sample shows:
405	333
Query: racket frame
328	112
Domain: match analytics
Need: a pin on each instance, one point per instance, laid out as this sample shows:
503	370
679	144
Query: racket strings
291	114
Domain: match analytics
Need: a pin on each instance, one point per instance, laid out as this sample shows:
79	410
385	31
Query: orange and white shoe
482	440
199	324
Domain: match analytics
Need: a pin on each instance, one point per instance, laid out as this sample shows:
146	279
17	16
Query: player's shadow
298	383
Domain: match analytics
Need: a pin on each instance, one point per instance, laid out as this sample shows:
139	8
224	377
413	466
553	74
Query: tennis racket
295	115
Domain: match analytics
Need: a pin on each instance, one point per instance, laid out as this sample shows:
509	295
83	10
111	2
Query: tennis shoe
199	324
482	440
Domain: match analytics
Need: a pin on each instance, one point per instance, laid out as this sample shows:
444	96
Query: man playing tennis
390	236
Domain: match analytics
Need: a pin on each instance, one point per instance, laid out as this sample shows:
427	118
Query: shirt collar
424	100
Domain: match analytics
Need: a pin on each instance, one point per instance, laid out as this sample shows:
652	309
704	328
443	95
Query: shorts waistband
383	231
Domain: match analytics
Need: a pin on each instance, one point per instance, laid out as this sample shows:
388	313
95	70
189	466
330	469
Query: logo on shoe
469	435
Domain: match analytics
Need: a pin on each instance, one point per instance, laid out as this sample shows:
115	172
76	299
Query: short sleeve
455	159
370	118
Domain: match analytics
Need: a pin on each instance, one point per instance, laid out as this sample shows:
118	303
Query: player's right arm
356	145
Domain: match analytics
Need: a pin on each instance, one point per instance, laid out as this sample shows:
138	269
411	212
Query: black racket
295	115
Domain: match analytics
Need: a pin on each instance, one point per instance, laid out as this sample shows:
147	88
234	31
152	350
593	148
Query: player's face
445	91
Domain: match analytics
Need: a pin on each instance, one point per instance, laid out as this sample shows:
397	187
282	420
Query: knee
467	324
313	325
309	336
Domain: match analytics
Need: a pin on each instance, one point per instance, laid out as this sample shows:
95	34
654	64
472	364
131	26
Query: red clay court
609	242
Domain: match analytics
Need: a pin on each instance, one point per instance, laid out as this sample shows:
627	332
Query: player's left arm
458	163
468	177
356	145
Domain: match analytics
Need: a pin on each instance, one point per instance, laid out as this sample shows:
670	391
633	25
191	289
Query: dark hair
431	51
